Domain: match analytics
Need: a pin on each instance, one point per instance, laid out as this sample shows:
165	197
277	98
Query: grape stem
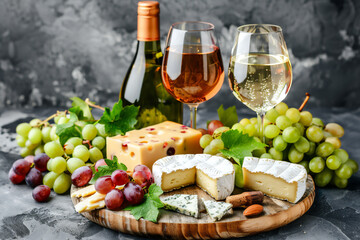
88	142
88	102
46	121
305	101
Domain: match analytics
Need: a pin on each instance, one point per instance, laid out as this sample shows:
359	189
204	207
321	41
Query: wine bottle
142	85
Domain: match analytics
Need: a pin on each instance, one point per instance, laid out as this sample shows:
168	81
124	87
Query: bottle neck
148	47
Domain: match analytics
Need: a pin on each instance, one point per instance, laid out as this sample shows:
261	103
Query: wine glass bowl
260	73
192	69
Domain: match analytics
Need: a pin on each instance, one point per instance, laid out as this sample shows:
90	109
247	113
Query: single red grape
104	184
40	161
81	176
34	178
15	178
99	163
114	199
21	167
141	179
30	158
144	169
119	177
133	193
213	125
41	193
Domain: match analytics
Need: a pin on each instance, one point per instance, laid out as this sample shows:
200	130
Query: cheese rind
279	179
216	210
145	146
213	174
182	203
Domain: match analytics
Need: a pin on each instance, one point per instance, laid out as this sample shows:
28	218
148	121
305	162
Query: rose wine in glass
260	73
192	70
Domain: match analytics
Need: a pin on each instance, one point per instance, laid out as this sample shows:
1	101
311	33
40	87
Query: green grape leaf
120	119
81	109
238	145
108	169
149	208
228	116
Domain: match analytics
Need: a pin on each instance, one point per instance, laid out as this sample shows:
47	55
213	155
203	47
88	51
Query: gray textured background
51	50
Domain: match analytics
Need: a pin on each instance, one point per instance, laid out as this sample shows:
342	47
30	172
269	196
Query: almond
253	210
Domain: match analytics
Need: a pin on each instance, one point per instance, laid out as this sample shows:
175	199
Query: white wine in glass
260	73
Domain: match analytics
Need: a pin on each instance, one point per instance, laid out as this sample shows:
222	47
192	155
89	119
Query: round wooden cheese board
276	213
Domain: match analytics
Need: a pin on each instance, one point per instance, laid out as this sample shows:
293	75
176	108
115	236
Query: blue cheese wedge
182	203
216	210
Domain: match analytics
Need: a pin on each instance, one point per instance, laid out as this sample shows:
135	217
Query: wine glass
260	73
192	69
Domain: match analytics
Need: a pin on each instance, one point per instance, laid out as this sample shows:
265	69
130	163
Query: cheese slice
213	174
85	205
279	179
217	210
182	203
84	192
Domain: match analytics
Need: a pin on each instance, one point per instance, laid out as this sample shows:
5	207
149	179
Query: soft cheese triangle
213	174
279	179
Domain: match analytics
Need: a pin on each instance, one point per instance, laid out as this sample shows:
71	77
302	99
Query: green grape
333	162
56	118
63	120
48	164
305	164
53	135
271	131
254	121
293	114
311	149
314	134
82	124
238	126
317	122
294	155
210	150
34	136
316	164
271	115
74	163
101	130
250	129
23	129
30	145
267	122
323	178
98	142
69	148
81	152
291	134
62	183
20	140
324	149
49	179
277	155
352	164
205	140
95	154
53	149
342	154
283	122
217	144
75	141
35	122
89	132
26	152
302	145
281	108
266	155
305	118
45	134
217	133
39	149
344	171
58	165
279	144
340	182
244	122
239	178
258	152
299	127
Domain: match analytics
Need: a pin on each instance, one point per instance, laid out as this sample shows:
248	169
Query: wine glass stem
193	110
260	117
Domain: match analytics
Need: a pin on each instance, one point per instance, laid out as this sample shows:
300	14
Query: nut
253	210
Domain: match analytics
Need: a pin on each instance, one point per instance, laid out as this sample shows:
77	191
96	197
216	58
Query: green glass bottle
142	85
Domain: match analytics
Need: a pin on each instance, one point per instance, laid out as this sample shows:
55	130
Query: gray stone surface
54	49
334	215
